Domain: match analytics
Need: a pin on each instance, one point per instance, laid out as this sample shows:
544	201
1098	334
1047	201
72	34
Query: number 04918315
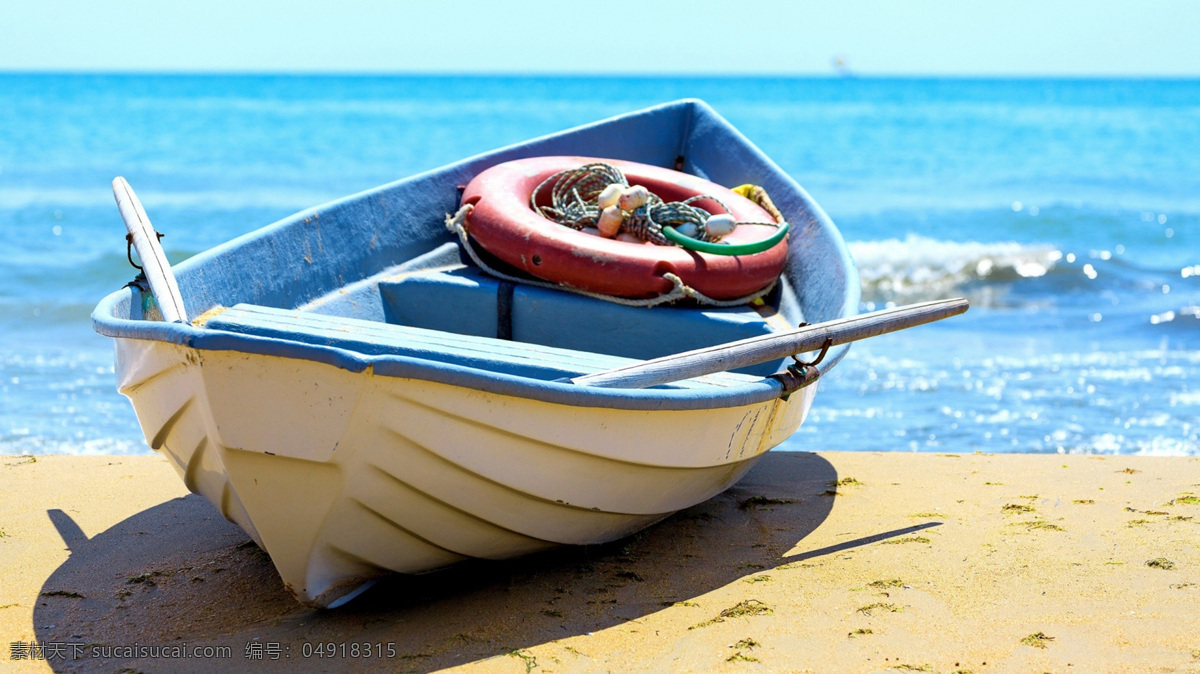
353	649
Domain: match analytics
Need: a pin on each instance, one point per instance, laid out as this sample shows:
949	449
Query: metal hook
820	356
802	373
129	248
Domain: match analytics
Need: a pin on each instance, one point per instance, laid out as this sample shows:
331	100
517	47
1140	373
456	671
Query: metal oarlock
129	249
802	373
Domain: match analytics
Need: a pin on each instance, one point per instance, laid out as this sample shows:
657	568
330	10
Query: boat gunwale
408	367
105	318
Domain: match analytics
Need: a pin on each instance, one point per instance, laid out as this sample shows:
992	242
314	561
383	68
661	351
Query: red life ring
505	225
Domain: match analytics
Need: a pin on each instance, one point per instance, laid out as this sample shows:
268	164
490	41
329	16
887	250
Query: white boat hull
343	477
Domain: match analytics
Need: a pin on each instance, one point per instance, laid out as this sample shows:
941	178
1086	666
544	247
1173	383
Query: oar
154	260
754	350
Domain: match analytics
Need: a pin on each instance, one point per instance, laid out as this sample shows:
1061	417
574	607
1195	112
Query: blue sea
1068	211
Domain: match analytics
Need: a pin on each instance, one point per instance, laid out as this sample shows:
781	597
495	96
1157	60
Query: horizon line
600	74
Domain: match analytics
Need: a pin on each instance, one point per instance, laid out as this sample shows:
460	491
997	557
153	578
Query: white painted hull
342	477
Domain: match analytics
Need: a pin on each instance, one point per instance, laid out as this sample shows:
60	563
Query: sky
1157	38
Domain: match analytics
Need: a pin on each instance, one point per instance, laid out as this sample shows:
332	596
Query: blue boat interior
436	299
378	275
522	359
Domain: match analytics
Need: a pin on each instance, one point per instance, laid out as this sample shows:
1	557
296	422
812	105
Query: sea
1067	211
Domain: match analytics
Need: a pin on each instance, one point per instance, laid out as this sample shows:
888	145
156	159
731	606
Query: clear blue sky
874	37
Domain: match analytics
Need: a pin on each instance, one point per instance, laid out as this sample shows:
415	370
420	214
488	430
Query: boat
361	397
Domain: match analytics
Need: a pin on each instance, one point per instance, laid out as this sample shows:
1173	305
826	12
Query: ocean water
1068	211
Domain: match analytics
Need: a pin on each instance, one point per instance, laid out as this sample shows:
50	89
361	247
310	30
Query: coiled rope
574	203
575	197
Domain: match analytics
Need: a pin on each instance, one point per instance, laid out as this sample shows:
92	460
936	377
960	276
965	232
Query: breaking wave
917	268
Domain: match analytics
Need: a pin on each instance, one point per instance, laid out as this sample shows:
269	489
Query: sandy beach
814	562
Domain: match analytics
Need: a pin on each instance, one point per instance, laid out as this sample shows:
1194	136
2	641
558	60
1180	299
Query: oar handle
154	260
746	352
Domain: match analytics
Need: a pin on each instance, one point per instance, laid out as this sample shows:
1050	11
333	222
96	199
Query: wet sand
814	562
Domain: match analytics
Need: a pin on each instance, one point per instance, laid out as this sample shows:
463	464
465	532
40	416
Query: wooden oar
154	260
746	352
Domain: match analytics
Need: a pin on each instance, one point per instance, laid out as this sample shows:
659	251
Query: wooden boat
362	399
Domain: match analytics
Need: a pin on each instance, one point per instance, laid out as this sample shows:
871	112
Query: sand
814	562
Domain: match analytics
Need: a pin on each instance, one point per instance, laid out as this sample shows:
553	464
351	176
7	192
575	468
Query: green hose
722	248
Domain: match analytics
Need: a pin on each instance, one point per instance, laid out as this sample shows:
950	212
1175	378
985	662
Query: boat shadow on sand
178	574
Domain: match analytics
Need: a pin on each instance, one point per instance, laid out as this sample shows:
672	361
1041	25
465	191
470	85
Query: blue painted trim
414	368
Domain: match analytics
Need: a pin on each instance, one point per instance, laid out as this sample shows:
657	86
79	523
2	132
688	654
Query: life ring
504	224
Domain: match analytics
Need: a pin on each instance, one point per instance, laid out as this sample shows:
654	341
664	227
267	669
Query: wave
918	268
1010	274
49	287
212	200
1184	320
37	445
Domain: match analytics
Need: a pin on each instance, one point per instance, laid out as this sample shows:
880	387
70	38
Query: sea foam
918	268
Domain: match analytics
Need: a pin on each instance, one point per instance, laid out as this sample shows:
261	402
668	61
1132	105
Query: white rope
457	224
